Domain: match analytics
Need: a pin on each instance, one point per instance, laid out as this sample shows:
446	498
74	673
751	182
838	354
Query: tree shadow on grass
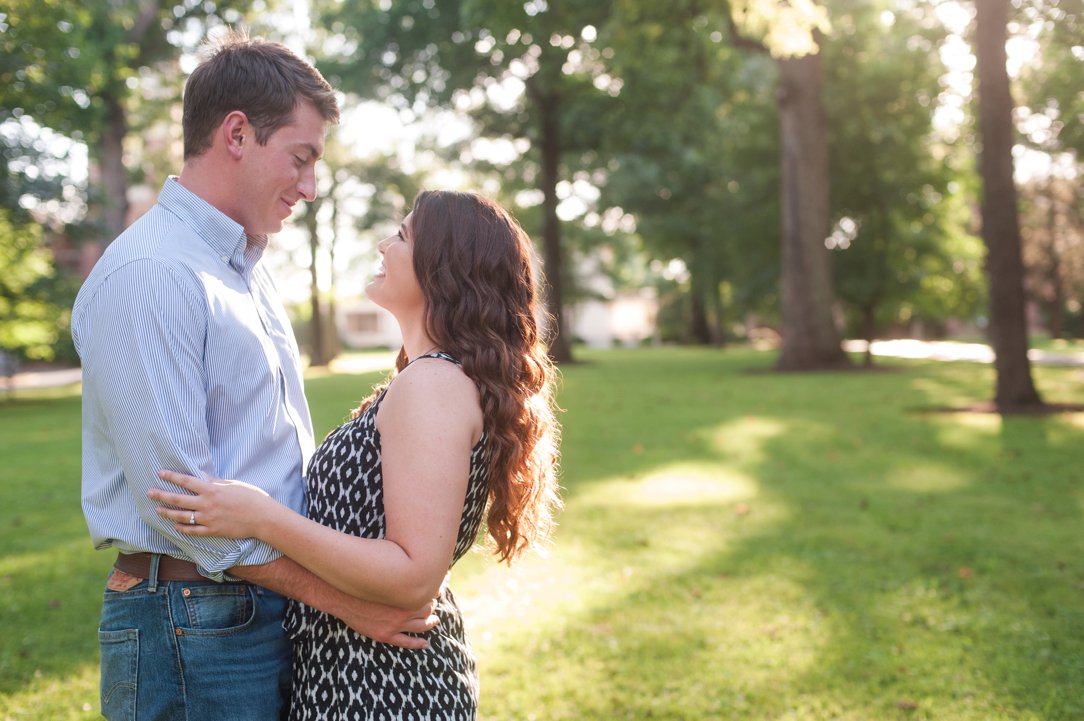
937	561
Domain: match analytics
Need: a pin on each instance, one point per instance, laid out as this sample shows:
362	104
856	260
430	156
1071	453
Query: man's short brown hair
264	80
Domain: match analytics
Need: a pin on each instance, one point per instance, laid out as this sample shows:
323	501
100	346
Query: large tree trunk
810	337
1000	221
111	165
560	348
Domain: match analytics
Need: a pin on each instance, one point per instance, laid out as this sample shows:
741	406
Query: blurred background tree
81	86
897	228
693	156
518	70
645	146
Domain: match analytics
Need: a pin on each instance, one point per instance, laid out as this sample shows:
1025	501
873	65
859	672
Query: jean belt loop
152	581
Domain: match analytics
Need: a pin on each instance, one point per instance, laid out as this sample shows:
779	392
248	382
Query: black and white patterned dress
340	675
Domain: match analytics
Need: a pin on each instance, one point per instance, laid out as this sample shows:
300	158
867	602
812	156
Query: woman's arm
428	423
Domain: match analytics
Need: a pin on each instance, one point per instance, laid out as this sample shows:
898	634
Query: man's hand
387	624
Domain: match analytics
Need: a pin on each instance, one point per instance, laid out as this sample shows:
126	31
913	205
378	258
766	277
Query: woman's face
395	286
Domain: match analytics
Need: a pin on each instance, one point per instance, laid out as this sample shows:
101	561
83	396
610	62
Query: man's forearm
378	622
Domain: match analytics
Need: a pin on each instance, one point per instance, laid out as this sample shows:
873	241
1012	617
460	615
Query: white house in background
608	318
624	319
364	324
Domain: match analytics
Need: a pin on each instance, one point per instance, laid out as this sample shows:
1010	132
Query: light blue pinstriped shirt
189	364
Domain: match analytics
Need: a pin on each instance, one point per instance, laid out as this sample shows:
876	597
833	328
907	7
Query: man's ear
236	131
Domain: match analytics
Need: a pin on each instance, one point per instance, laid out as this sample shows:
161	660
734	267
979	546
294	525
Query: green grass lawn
736	544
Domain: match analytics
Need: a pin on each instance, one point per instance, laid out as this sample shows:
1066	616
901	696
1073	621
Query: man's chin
272	228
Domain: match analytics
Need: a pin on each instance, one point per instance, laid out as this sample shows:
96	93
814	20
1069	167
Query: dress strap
438	354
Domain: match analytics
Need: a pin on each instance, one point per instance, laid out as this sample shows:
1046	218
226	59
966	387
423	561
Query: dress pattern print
340	675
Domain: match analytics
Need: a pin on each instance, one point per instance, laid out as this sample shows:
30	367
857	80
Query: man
189	364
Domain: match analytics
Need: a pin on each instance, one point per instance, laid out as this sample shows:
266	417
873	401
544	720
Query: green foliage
61	61
736	544
904	238
34	301
96	73
520	71
417	54
1048	89
694	152
35	295
1050	83
1052	216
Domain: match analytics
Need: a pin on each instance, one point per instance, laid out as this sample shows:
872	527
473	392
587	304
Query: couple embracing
257	576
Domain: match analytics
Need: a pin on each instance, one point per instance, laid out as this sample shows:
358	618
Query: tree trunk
560	348
111	165
318	355
810	337
333	342
1000	222
699	321
1056	308
699	326
869	332
718	325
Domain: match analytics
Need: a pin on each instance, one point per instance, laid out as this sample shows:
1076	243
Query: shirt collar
224	235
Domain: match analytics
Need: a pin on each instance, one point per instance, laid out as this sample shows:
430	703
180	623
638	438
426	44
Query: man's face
281	172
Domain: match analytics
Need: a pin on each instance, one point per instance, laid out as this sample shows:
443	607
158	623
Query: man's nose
307	185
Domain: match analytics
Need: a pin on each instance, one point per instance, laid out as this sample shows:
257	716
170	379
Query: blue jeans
194	651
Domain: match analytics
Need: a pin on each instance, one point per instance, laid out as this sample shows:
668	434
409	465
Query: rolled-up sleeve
142	341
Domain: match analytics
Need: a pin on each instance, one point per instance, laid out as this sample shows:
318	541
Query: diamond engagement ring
192	519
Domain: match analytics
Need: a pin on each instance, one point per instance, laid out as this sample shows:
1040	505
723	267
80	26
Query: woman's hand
230	509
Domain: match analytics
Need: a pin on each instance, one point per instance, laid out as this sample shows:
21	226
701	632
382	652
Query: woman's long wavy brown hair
474	265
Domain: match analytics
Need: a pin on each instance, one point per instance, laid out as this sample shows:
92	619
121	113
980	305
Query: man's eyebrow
314	152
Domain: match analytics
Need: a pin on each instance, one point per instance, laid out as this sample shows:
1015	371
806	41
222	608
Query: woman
464	429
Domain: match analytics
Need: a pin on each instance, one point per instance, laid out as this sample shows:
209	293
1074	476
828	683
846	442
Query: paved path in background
955	351
53	377
43	379
367	362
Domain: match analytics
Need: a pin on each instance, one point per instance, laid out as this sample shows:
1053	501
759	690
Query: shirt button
225	259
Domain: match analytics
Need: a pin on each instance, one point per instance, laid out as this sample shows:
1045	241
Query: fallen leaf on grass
966	572
907	705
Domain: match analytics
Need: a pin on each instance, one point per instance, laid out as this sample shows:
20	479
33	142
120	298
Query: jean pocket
218	609
120	670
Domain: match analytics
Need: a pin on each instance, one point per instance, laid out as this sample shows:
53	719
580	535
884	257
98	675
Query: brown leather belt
169	568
